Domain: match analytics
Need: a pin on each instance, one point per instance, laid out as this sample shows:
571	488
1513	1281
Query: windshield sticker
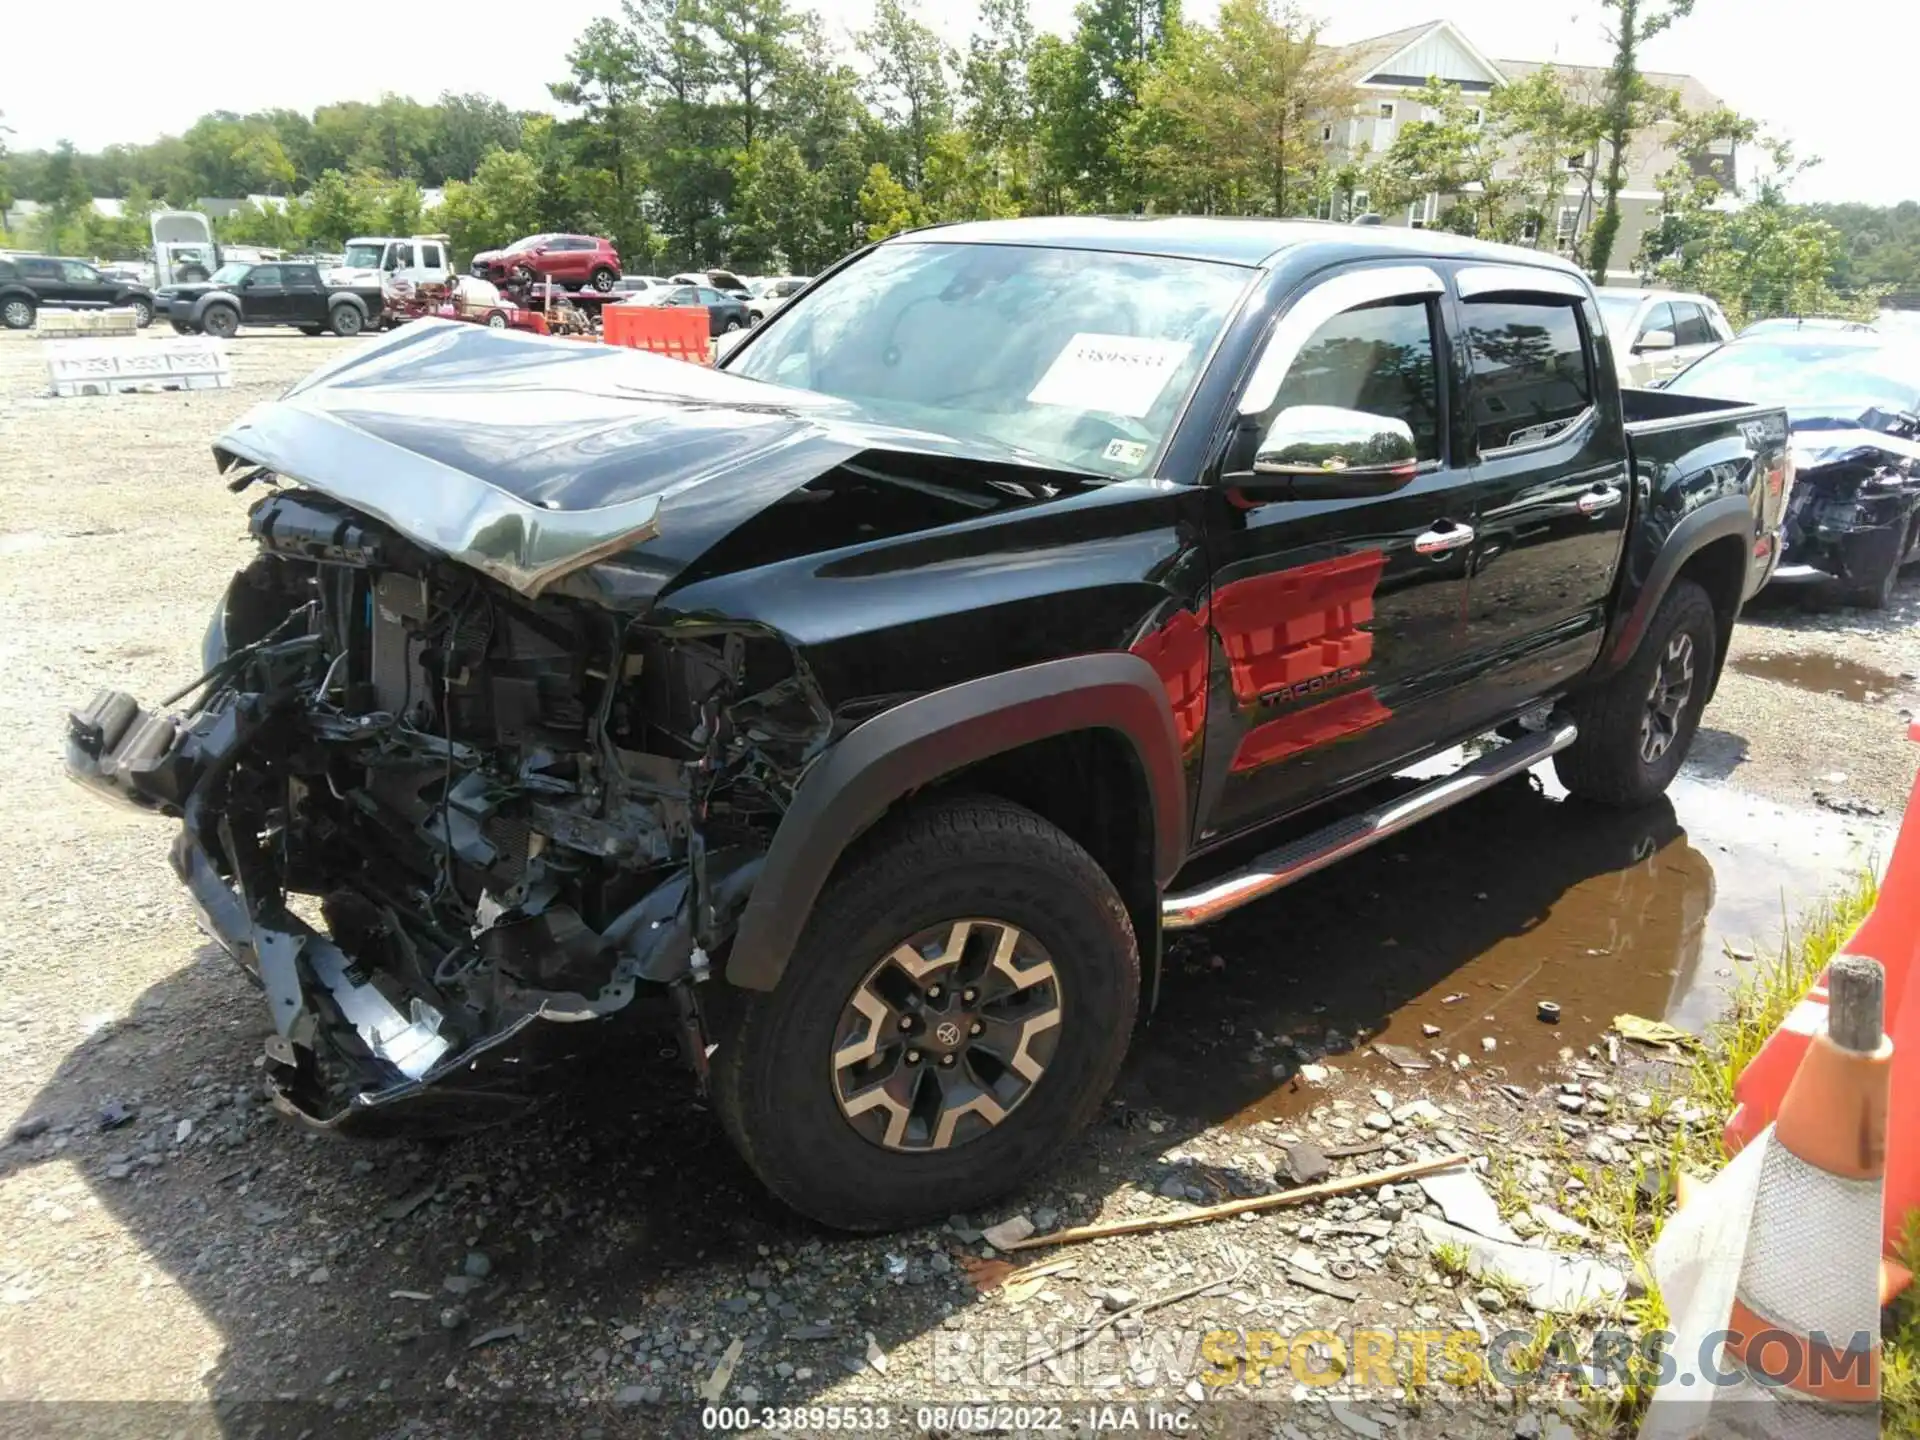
1126	452
1114	374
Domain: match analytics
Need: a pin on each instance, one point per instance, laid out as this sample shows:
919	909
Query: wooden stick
1242	1207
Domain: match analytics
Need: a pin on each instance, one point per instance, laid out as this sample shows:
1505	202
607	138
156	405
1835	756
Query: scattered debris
1008	1233
1350	1419
1549	1218
1554	1282
113	1114
1314	1074
1143	1307
876	1357
505	1332
1652	1032
1306	1163
403	1207
1465	1201
31	1128
1404	1057
1023	1284
716	1384
1548	1011
408	1295
1307	1280
1241	1207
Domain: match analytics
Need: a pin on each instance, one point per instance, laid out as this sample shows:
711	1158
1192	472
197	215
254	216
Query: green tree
887	206
1230	118
1115	47
1452	152
748	43
909	84
337	208
6	171
1630	104
1552	127
464	129
777	220
996	99
607	171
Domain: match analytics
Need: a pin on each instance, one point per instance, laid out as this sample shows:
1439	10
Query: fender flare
198	314
1731	516
926	739
337	298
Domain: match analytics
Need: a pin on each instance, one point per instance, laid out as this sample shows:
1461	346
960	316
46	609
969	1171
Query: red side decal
1295	625
1304	729
1178	653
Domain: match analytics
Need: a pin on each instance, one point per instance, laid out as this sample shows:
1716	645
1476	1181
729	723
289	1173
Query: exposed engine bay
507	812
1852	512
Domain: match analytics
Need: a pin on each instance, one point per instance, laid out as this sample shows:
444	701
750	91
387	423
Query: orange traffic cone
1771	1272
1805	1327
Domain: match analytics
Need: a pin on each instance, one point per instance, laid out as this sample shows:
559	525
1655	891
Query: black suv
30	282
281	292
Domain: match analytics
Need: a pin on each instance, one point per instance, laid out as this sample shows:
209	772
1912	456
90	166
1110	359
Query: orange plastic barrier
1891	935
679	331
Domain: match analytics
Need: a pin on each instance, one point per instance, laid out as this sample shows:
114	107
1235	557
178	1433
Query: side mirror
1655	340
1327	452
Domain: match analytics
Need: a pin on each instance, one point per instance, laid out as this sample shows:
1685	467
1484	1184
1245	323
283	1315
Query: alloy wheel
1667	700
19	314
947	1035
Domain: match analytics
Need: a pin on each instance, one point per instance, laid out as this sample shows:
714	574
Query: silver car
1658	333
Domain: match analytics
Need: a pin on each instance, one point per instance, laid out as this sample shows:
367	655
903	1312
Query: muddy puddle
1824	675
1456	932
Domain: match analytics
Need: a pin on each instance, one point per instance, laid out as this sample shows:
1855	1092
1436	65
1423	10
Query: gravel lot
170	1241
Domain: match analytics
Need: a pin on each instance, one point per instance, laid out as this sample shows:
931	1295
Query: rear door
1543	434
263	296
306	296
1339	620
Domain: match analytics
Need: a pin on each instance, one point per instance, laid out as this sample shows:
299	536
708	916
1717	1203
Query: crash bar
1300	858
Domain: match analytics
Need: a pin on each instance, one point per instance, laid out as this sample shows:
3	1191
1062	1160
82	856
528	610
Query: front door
264	296
1551	484
1338	621
83	286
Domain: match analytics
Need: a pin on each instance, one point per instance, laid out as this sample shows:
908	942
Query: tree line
700	131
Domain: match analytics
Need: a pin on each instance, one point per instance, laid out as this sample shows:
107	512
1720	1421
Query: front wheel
1637	727
955	1010
221	321
142	313
180	327
1874	590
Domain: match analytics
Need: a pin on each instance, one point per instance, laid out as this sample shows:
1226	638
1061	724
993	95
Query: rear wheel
496	319
346	320
604	280
220	321
955	1010
142	312
733	323
17	314
1636	729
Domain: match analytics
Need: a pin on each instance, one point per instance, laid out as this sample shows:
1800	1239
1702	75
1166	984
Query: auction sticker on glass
1114	374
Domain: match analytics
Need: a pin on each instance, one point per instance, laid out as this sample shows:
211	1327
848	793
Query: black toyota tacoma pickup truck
871	708
280	292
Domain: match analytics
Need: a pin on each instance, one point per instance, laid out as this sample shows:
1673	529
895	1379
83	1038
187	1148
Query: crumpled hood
529	458
1832	435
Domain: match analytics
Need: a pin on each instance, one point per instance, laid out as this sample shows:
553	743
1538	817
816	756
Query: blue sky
1805	78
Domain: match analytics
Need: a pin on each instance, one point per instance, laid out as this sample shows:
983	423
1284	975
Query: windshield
1076	358
1618	310
231	274
363	257
1804	377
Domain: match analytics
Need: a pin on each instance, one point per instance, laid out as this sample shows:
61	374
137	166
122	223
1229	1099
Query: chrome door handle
1439	542
1598	502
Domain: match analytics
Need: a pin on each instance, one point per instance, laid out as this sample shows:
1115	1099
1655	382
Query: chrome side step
1300	858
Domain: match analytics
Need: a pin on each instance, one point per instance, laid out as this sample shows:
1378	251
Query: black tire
17	312
733	323
346	321
523	274
1875	590
604	280
1610	763
975	858
142	312
220	321
180	327
313	329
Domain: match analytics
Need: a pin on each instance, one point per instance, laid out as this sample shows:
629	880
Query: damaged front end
443	819
1851	513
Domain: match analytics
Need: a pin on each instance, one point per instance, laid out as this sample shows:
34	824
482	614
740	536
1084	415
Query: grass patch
1900	1346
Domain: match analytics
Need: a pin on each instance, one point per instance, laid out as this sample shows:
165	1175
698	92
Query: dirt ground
172	1247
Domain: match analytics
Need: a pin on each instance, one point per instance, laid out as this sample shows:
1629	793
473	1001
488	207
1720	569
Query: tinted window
1530	378
40	269
1690	325
784	288
263	275
576	242
683	296
1378	359
304	277
1660	317
712	297
401	258
78	272
430	256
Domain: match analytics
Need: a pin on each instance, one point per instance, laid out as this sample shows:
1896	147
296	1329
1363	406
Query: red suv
574	260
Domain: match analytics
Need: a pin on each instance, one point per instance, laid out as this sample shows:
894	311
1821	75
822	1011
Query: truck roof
1250	241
